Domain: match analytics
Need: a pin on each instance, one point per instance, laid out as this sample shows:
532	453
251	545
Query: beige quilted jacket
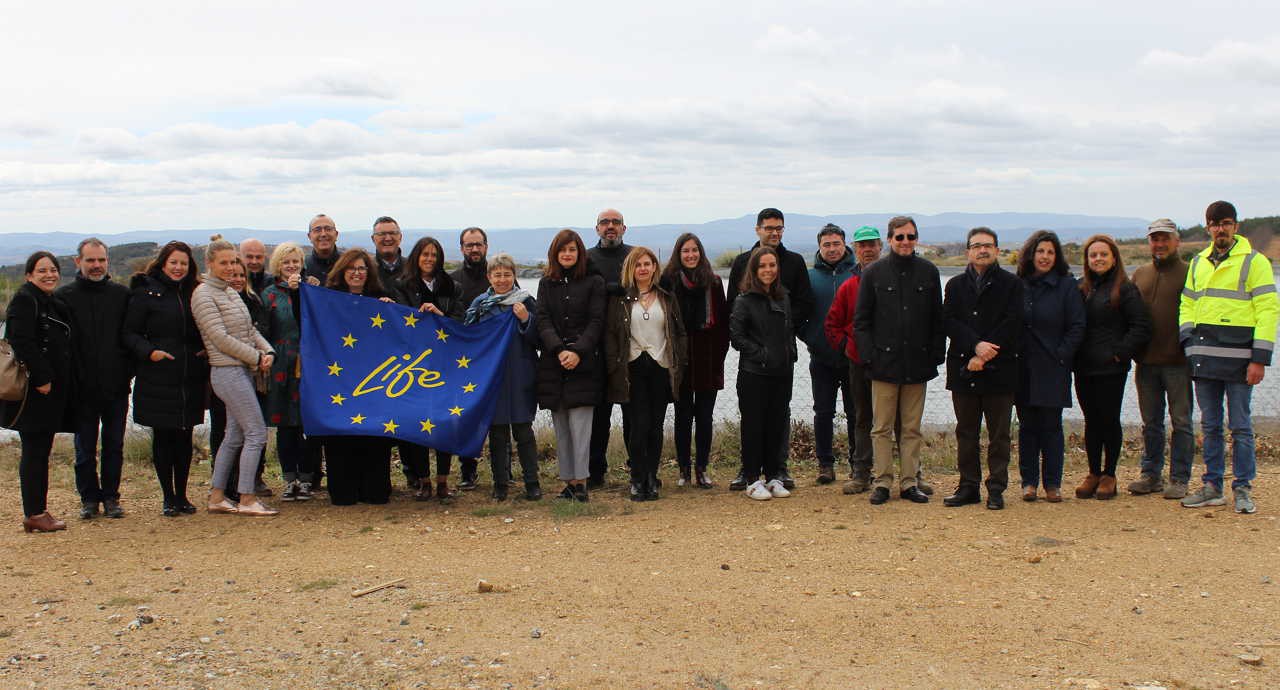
226	327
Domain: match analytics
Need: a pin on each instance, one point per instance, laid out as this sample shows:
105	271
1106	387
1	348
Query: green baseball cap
865	233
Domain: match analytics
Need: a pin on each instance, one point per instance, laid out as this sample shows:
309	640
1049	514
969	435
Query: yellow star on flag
334	369
337	399
390	427
358	419
441	335
411	321
427	426
469	388
349	341
377	320
455	411
463	363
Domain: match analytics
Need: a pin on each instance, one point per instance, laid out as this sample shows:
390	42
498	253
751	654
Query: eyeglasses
358	269
983	245
323	228
609	221
772	228
905	238
473	245
387	233
1222	224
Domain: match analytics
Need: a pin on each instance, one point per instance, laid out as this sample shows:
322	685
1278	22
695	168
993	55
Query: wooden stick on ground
375	588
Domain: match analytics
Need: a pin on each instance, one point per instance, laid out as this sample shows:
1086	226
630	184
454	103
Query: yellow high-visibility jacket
1228	313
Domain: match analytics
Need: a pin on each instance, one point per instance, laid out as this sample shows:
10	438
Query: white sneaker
758	491
776	489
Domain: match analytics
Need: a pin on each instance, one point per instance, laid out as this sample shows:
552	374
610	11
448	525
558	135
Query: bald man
254	255
606	259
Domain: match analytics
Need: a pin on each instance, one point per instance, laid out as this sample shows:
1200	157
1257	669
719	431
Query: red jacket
839	322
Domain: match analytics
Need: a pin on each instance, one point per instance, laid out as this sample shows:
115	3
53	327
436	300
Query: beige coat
230	338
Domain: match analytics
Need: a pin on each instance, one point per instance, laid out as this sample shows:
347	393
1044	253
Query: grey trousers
573	441
246	430
1155	385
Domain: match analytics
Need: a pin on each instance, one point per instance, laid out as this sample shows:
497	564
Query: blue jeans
92	487
1156	384
1040	436
1244	466
827	383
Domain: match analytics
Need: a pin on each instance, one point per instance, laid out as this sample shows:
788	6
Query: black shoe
499	492
595	483
995	502
88	510
651	490
233	496
467	484
914	495
638	492
655	481
826	474
112	509
532	492
701	480
185	507
965	495
784	477
170	510
879	495
580	493
567	493
739	483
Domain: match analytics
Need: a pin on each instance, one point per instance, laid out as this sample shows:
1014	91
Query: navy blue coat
518	396
1053	325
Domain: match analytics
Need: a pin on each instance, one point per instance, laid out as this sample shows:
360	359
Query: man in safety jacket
1227	324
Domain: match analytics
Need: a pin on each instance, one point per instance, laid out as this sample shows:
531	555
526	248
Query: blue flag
371	368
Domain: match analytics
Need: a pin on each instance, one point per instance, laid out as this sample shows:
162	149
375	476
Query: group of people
613	325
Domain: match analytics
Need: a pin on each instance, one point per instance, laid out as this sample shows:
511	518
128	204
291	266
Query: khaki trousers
901	403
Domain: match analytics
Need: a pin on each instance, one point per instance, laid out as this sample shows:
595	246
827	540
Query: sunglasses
905	238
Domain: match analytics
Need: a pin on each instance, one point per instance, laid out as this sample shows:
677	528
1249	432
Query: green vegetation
317	585
568	510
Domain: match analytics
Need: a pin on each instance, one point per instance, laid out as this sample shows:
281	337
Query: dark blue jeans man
1156	385
828	382
103	421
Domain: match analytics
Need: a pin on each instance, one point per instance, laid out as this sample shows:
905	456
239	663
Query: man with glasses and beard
605	259
472	279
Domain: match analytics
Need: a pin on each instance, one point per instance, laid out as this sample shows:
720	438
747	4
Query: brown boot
1028	493
44	522
1089	486
1106	488
1053	495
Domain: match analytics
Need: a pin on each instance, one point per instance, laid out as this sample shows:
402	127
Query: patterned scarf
490	300
707	318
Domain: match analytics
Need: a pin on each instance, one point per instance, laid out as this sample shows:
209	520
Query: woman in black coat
1117	327
169	392
1052	326
570	319
426	286
38	326
760	330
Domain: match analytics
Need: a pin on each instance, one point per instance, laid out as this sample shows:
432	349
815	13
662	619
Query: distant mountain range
530	244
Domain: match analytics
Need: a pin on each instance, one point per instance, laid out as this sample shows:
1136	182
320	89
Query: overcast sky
132	116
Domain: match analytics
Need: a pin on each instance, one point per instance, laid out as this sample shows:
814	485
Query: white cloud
784	40
1230	59
418	119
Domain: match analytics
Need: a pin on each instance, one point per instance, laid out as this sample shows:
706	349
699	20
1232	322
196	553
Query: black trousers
417	462
105	421
997	409
695	412
500	452
601	425
33	471
647	412
359	470
1100	400
171	455
764	405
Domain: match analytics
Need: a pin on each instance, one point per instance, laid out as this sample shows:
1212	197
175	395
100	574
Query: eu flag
371	368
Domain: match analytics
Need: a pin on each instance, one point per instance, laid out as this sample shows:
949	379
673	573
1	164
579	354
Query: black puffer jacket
104	366
1113	335
571	317
792	273
898	323
169	394
38	326
446	297
760	330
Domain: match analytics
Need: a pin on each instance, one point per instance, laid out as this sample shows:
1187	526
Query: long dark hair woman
1053	325
359	466
517	404
1117	326
571	308
426	286
235	349
38	326
645	352
760	330
172	371
700	294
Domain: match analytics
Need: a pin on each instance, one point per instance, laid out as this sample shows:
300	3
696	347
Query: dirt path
700	589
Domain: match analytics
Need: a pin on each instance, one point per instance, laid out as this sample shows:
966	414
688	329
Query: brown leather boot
44	522
1106	488
1053	495
1089	486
